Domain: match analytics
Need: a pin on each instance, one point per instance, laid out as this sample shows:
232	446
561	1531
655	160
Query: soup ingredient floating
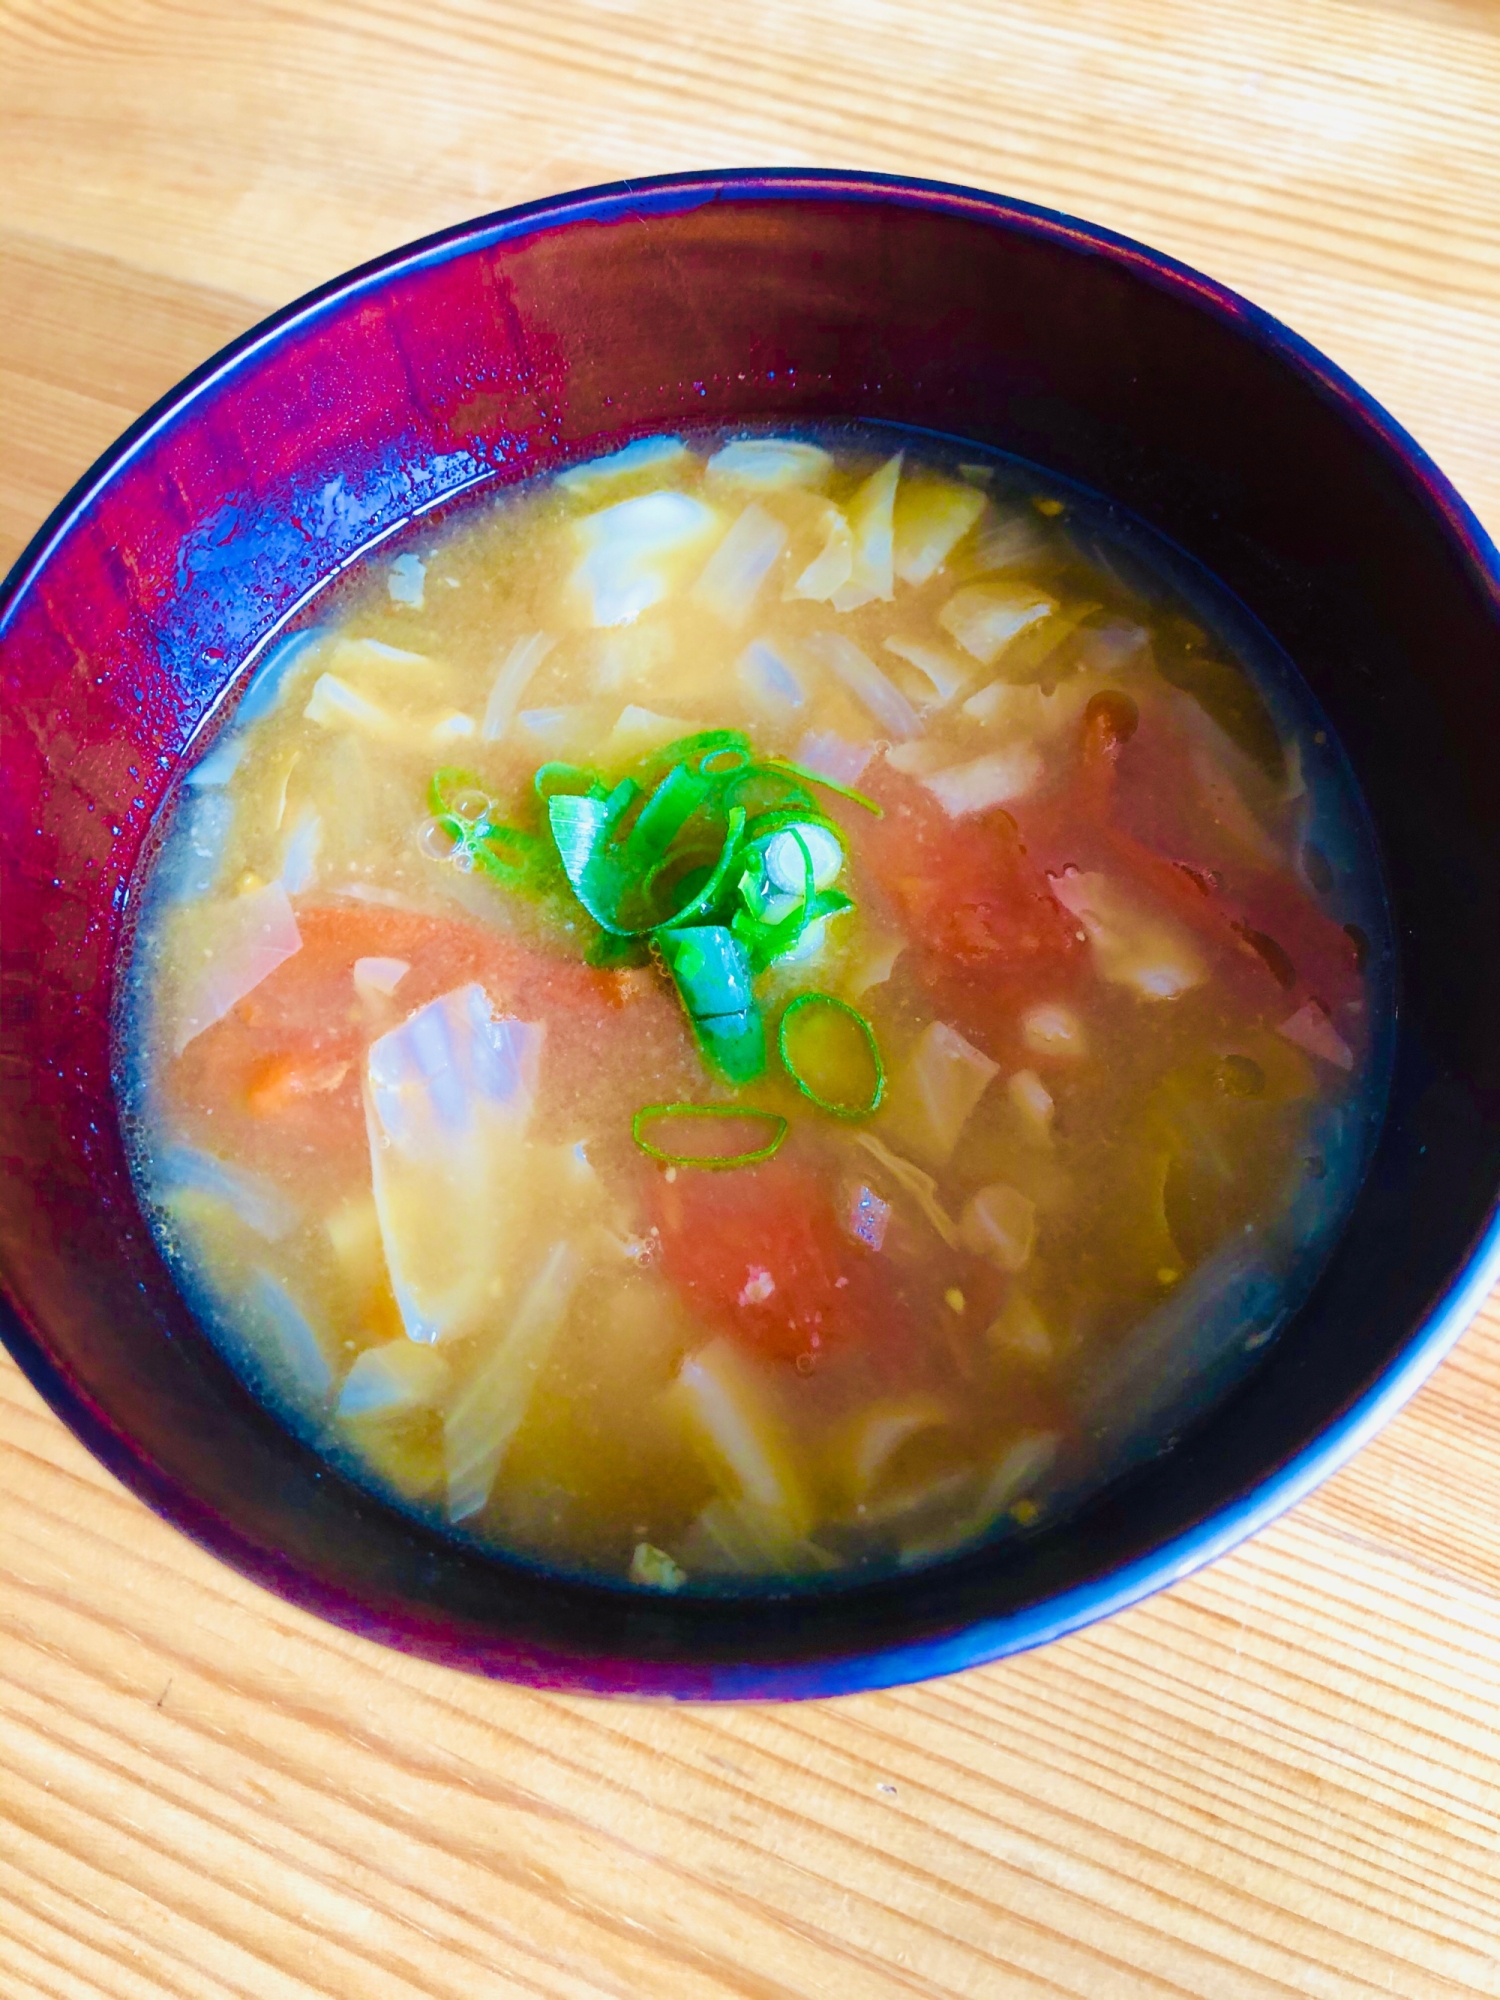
762	1010
715	864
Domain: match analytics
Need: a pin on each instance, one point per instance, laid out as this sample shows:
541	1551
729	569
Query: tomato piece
276	1084
969	891
759	1254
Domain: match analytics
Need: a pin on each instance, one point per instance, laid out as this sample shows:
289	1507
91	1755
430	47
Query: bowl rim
987	1639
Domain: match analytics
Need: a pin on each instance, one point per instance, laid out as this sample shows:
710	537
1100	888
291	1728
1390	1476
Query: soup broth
763	1007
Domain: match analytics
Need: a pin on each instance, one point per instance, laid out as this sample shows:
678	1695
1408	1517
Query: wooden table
1279	1778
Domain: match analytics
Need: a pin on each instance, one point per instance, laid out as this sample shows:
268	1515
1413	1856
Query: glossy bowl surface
545	333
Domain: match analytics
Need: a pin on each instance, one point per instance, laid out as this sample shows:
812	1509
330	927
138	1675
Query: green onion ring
829	784
825	1103
708	1160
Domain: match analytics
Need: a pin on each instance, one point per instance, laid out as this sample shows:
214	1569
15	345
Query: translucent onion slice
393	1380
515	674
936	1089
1133	944
491	1407
768	465
251	936
865	681
732	579
632	554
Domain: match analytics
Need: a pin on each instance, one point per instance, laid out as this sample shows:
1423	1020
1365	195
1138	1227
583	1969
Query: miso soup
762	1008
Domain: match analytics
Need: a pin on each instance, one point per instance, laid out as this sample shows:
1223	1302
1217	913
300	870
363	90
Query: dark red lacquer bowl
499	349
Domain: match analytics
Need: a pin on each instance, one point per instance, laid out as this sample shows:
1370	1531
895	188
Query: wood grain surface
1282	1777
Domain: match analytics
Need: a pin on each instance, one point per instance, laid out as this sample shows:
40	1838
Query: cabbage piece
638	730
491	1407
731	1411
574	723
986	617
448	1097
1053	1030
866	683
874	965
1113	646
406	581
282	1334
944	672
1310	1028
1133	944
870	515
269	682
765	465
251	936
1019	1332
833	565
936	1089
999	1224
1017	539
932	518
357	659
630	656
990	780
511	682
392	1380
1006	1484
831	756
734	1537
379	975
878	1434
1033	1103
740	564
336	705
257	1202
353	1232
631	555
654	1568
299	861
597	475
912	1181
918	759
770	681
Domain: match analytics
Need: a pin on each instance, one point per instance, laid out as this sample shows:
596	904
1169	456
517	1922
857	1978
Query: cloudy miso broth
762	1007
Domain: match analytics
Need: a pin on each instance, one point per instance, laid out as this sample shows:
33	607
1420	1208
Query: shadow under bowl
499	349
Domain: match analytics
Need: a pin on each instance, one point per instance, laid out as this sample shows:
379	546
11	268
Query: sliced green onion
708	967
570	778
766	942
693	749
513	857
712	888
828	784
735	1044
839	1110
711	970
773	1120
788	792
665	813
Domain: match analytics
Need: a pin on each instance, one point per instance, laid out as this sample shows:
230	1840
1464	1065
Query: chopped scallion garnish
721	1114
840	1108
